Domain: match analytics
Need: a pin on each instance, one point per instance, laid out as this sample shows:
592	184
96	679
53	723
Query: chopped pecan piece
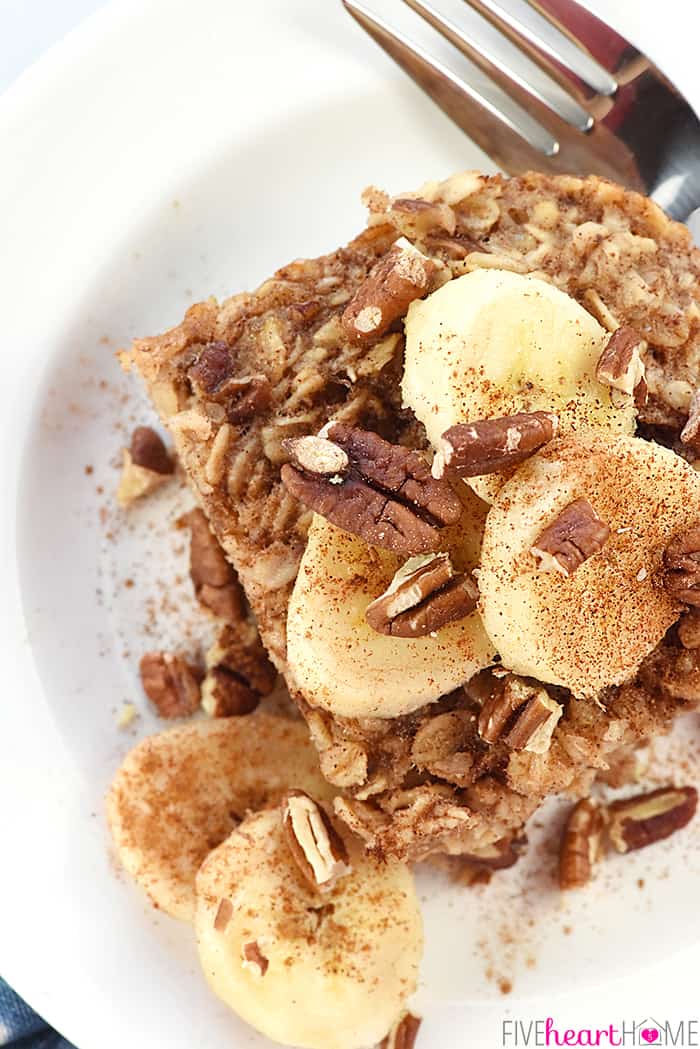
490	445
317	848
224	913
456	247
214	579
247	397
148	450
621	366
212	370
415	217
637	822
581	844
682	561
386	495
499	855
505	697
254	959
238	672
689	629
303	314
146	466
212	377
535	724
171	684
226	694
402	275
571	539
690	434
641	394
403	1034
424	595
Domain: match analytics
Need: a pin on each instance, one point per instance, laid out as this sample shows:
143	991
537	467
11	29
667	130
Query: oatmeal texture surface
236	379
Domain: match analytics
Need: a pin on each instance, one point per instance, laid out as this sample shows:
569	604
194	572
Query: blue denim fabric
21	1028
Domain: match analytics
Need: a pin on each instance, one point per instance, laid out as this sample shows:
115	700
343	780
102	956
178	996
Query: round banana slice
179	793
340	663
591	628
319	970
493	343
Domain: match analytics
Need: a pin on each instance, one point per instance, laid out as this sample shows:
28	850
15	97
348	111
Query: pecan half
621	366
535	724
402	275
317	848
645	819
212	377
146	465
226	695
254	959
424	595
214	579
690	434
403	1034
490	445
682	563
386	495
581	844
148	450
171	684
575	535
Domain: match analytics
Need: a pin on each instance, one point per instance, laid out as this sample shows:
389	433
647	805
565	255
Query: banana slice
493	343
324	970
340	663
179	793
592	628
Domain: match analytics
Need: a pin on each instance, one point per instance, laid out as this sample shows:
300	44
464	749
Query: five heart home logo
547	1033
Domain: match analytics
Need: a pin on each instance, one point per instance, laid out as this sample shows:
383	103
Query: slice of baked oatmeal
323	339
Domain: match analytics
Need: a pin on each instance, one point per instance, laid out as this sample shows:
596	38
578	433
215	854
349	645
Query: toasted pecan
386	495
424	595
634	823
581	844
148	451
489	445
402	275
682	563
574	536
621	366
171	684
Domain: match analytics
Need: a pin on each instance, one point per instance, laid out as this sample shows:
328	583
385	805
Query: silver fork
557	90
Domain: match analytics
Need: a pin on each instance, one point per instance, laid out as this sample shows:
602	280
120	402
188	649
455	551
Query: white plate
164	152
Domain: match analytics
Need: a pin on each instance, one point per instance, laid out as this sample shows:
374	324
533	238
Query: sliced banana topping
179	793
493	344
596	512
342	663
327	970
